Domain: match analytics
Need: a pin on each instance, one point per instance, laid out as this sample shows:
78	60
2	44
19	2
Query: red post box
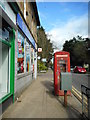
61	64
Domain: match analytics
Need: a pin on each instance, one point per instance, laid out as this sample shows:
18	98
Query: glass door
4	70
5	57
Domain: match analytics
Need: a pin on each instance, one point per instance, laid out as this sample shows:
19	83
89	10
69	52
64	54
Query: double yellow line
78	95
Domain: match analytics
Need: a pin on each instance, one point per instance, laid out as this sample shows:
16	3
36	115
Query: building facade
18	48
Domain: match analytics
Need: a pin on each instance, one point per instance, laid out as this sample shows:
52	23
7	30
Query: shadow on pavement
71	111
49	87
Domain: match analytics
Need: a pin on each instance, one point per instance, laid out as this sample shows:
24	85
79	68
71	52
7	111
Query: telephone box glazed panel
61	64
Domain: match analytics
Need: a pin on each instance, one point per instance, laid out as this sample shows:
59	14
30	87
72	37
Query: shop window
20	51
4	34
5	31
4	70
27	57
4	59
32	55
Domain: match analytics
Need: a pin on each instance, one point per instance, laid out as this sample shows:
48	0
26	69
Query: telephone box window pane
20	51
4	71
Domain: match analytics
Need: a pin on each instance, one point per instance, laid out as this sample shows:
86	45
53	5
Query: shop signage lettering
25	30
61	55
39	49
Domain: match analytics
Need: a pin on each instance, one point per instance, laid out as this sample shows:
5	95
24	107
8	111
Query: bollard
65	98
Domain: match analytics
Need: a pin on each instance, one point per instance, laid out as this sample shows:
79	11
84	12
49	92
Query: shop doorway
7	56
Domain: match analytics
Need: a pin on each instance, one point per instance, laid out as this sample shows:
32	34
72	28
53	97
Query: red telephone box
61	64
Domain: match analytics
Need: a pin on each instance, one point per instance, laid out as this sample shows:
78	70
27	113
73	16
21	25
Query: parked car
79	69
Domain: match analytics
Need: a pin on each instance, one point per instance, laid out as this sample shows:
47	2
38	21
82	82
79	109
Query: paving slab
38	101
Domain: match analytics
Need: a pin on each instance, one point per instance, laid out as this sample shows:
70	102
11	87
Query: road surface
78	79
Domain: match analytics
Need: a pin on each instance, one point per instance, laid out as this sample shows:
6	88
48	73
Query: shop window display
32	55
27	57
20	51
32	59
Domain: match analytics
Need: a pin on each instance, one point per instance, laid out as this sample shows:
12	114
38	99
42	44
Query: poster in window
31	55
27	57
32	58
20	51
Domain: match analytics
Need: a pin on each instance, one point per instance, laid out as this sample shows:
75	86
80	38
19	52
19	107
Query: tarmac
39	101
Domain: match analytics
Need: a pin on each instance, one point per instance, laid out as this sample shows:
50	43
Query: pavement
38	101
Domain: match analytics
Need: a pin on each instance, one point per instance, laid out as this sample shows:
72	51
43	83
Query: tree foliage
78	50
45	44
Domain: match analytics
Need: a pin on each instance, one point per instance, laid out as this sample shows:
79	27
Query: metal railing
85	101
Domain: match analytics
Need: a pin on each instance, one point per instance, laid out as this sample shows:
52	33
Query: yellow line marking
78	95
76	90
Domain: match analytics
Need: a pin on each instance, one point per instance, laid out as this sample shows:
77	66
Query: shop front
24	55
17	54
7	62
7	52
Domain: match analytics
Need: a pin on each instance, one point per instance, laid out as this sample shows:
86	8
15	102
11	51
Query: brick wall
21	5
30	18
25	79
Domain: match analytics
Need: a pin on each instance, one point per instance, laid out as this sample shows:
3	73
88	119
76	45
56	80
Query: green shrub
41	66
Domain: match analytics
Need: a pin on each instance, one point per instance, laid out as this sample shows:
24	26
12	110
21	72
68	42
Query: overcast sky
63	20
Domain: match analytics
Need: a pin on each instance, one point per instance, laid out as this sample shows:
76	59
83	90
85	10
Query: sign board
61	55
25	30
39	49
7	9
38	57
66	77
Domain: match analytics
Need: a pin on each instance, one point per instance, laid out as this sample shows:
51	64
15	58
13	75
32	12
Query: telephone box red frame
59	57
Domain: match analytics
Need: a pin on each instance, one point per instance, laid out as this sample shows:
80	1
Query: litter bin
66	81
66	84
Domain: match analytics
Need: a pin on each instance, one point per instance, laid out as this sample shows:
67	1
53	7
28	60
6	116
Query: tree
68	46
78	50
45	44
